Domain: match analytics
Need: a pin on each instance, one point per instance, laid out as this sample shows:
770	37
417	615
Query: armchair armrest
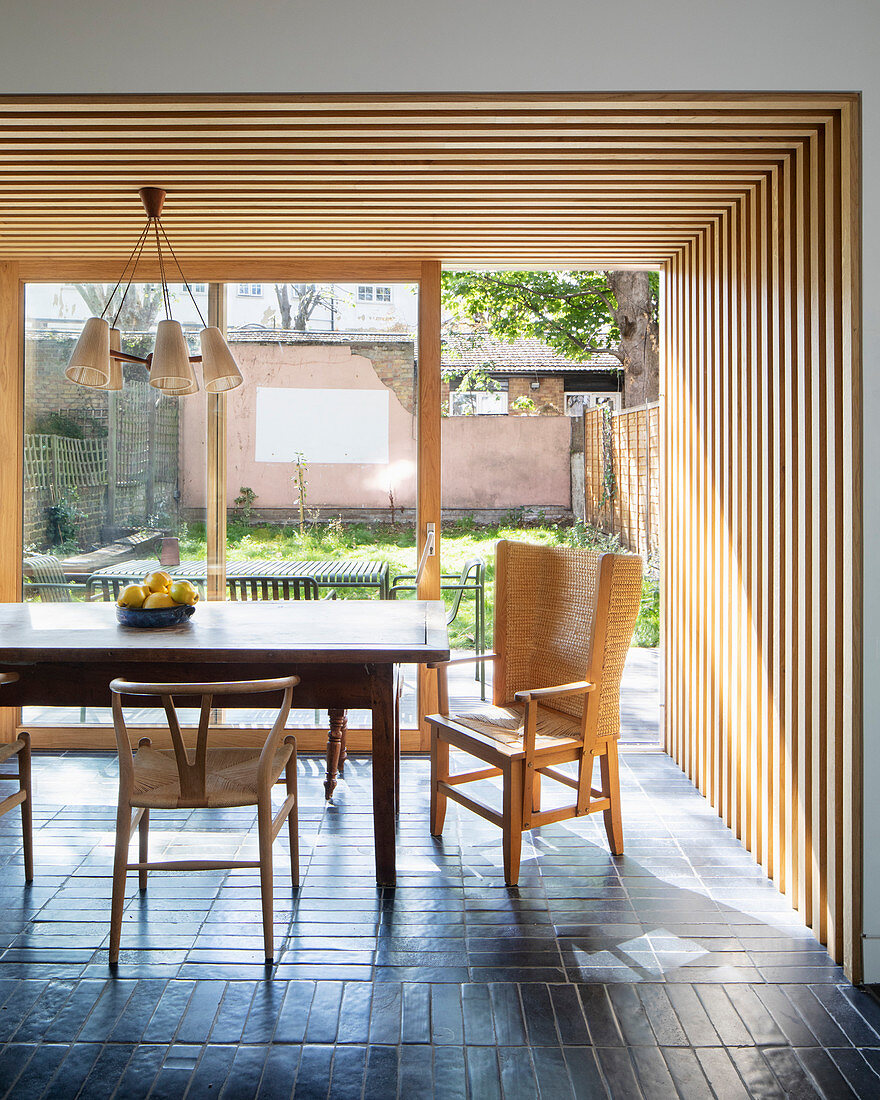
579	687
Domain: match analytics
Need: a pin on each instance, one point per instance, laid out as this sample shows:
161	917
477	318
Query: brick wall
48	390
394	363
549	397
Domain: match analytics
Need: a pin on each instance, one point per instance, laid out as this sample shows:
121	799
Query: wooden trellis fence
622	474
128	479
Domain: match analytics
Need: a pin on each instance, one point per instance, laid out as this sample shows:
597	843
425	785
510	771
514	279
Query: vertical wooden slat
847	318
429	500
11	448
216	460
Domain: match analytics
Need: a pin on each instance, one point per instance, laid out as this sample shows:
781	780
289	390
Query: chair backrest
48	578
473	574
192	773
563	615
272	588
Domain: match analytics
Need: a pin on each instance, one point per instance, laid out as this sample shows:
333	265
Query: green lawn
396	545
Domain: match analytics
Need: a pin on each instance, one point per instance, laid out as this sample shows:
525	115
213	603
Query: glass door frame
14	277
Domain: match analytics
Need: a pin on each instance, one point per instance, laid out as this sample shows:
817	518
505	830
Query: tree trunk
639	347
283	294
306	301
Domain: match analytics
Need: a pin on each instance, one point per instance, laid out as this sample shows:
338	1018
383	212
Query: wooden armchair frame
20	748
546	737
150	779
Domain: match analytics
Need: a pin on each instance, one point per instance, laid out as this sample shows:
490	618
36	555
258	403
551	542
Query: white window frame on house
250	290
576	402
366	293
478	402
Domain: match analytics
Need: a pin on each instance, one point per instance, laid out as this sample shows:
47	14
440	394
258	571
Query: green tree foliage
578	313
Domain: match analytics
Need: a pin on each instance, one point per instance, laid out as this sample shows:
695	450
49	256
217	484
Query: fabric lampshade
219	370
89	365
171	371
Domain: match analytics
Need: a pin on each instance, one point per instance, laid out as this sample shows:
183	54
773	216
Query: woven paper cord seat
563	624
231	778
154	779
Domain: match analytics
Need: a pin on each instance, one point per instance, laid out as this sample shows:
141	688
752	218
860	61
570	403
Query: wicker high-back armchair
564	620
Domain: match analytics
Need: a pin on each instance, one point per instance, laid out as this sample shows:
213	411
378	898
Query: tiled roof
519	357
257	335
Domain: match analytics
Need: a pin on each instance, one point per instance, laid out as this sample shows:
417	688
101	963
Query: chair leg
512	820
293	818
610	773
439	770
143	848
264	829
120	859
27	825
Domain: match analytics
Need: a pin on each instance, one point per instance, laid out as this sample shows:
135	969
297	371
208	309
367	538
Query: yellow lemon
133	596
158	581
183	592
158	599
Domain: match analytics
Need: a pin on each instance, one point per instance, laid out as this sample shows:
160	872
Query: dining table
345	652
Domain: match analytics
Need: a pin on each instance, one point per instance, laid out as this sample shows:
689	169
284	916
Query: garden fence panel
622	475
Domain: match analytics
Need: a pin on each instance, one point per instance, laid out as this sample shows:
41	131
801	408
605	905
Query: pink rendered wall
505	461
349	485
487	461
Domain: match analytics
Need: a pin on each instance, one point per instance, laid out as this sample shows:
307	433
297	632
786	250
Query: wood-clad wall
762	547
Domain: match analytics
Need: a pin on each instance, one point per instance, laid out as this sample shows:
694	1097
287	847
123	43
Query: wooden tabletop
320	632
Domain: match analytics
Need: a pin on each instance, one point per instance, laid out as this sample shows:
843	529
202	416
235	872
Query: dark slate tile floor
674	971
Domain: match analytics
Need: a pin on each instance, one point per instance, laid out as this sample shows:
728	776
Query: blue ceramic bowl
154	617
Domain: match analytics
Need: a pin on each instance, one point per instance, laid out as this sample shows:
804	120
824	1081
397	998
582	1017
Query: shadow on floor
675	970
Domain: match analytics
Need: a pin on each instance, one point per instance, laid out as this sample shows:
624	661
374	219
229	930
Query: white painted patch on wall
327	426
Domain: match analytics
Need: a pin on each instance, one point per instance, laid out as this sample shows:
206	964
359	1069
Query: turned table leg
335	748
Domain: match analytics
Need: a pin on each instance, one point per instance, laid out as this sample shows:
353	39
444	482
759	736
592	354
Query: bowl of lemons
158	601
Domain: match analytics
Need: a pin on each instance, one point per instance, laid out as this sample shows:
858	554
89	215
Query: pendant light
96	361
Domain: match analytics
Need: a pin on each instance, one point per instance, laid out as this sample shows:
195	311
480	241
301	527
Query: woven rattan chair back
546	627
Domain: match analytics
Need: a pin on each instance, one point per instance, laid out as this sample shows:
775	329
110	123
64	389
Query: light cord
182	276
139	244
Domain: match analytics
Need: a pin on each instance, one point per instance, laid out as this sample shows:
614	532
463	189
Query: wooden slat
428	499
11	450
762	450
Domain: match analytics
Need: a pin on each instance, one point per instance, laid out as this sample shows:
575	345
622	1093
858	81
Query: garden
395	543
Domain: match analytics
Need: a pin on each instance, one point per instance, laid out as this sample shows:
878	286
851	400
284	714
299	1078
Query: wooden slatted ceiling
565	181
